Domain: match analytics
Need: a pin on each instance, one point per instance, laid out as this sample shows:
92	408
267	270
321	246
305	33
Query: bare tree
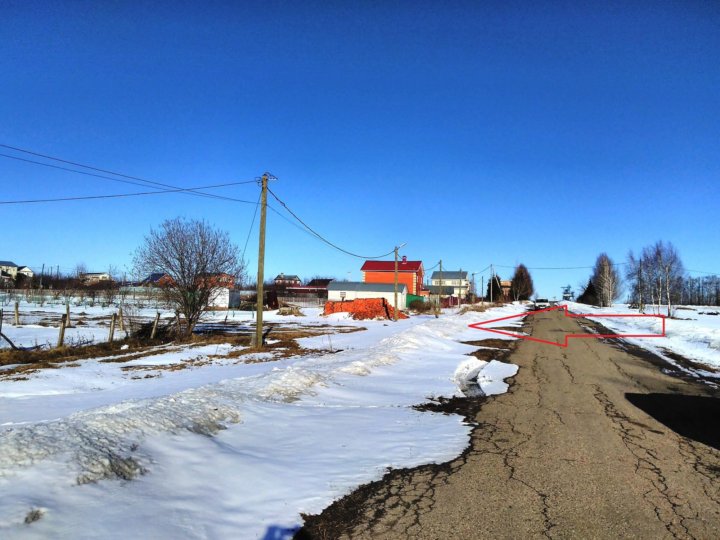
657	276
635	274
80	268
606	280
192	254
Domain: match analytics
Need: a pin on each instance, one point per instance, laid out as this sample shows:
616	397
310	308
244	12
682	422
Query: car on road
541	303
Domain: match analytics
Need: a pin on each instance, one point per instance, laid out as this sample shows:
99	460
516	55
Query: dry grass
284	344
478	308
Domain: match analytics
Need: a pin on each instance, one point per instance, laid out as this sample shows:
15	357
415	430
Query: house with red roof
410	273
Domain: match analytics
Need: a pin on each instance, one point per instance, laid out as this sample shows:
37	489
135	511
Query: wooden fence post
17	313
122	319
155	325
112	329
67	314
61	335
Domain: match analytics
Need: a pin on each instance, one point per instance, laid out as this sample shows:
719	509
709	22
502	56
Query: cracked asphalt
563	454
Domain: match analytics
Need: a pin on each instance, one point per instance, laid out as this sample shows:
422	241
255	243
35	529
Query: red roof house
411	273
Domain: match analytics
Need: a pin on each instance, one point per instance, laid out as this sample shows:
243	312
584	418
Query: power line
320	237
106	171
252	224
555	267
701	272
119	195
72	170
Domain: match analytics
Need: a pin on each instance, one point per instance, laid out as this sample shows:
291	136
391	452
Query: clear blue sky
476	132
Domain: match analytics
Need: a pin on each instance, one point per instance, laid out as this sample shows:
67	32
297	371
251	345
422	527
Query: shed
352	290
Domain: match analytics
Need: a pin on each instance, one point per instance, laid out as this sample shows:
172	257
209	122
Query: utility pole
261	264
441	287
482	291
42	273
395	315
474	289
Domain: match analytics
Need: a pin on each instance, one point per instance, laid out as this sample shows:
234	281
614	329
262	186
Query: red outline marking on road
477	326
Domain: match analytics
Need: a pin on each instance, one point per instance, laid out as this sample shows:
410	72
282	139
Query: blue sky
476	132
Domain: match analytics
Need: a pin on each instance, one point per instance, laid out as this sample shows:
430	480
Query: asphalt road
574	450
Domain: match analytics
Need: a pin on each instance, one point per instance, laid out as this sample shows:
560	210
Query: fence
305	300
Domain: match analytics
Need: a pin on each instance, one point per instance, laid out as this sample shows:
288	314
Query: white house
457	279
10	271
352	290
9	268
94	277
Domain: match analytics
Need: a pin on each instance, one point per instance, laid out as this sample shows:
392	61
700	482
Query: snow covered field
230	447
39	325
693	334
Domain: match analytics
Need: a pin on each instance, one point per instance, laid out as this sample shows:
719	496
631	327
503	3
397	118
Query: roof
8	263
289	277
389	266
154	277
359	286
319	282
435	289
450	274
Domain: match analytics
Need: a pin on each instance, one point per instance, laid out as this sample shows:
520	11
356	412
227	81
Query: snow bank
487	378
694	335
238	456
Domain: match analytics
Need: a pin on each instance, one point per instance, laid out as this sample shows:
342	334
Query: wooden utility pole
482	291
261	264
441	288
395	315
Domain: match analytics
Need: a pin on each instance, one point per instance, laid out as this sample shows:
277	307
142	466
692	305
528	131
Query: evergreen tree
589	295
495	287
522	285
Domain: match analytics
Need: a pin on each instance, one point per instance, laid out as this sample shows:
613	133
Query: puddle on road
694	417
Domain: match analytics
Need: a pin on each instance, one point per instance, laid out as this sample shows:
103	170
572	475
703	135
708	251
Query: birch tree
606	280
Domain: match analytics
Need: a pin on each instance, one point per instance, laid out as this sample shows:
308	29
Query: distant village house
11	272
91	278
339	291
456	280
410	273
283	281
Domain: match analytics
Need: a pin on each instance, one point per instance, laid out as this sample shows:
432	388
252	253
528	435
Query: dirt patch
492	349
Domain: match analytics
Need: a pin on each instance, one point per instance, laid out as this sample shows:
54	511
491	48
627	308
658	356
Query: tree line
655	276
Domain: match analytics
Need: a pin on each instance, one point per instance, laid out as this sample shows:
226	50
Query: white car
541	303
